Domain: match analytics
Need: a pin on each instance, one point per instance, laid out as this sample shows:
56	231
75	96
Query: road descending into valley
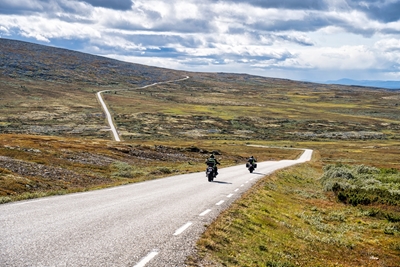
107	112
152	223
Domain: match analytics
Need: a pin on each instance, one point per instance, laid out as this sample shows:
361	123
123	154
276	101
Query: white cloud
4	30
388	45
185	10
291	39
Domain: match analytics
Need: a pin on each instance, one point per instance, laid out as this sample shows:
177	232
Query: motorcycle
210	173
251	166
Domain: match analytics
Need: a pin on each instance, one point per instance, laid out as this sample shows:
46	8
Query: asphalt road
153	223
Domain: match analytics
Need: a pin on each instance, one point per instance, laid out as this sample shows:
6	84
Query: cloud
287	4
271	37
381	10
114	4
63	10
388	45
19	6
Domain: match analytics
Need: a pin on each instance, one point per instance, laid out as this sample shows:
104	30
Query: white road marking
183	228
229	195
247	182
241	185
219	203
146	259
237	189
204	212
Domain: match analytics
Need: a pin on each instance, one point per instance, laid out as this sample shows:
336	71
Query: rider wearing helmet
252	160
212	161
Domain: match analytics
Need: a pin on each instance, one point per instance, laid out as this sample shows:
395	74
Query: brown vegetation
54	140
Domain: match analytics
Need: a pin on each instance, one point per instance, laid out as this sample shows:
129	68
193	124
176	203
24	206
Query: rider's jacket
212	161
251	160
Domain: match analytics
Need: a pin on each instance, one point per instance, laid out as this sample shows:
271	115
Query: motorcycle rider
251	160
212	161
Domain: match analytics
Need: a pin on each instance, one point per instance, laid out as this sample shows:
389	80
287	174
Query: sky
312	40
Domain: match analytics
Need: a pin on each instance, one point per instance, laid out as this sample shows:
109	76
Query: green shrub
5	200
392	217
362	185
389	171
122	169
337	172
362	169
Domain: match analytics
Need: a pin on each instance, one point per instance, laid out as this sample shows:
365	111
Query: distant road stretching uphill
107	112
153	223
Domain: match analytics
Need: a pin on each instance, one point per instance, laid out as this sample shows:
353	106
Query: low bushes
362	185
122	169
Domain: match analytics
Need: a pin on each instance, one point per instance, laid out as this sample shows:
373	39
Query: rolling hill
47	90
54	139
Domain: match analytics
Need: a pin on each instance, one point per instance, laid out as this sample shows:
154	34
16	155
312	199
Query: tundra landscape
340	209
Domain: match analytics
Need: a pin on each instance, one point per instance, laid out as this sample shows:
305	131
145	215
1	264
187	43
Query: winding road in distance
107	112
152	223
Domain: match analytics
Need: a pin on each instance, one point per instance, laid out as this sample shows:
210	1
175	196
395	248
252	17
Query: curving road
153	223
107	112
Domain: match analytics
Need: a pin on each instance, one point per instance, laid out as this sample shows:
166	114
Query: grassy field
288	219
341	209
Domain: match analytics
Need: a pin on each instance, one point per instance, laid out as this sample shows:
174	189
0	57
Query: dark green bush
389	171
362	185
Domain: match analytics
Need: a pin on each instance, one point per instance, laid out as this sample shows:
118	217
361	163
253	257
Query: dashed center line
183	228
205	212
146	259
219	203
237	189
230	195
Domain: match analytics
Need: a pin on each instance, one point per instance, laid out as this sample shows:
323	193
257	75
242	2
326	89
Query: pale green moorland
340	209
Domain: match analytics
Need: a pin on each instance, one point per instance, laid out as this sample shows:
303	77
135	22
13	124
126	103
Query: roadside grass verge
288	219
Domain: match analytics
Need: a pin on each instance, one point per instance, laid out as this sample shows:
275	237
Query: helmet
212	156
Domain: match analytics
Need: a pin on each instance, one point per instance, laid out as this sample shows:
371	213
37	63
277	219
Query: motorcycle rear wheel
211	176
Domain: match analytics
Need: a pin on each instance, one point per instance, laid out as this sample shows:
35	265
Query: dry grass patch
35	166
288	220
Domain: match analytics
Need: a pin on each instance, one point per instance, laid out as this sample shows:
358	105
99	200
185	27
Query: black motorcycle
251	166
210	173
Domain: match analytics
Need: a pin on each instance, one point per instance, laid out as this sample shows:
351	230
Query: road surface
153	223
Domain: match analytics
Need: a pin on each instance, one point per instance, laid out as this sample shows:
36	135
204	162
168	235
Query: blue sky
315	40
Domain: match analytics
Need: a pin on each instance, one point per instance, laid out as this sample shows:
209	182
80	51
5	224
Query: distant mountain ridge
22	59
368	83
45	63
